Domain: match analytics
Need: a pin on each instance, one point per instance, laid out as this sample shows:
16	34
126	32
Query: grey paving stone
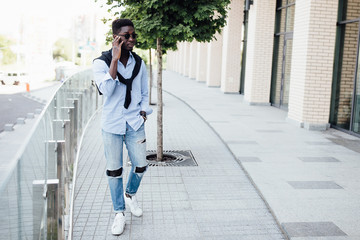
20	121
30	115
312	229
99	237
85	211
319	159
314	185
242	142
109	236
91	224
246	237
9	127
268	131
77	235
101	233
275	122
222	203
241	115
218	121
101	228
320	143
249	159
38	111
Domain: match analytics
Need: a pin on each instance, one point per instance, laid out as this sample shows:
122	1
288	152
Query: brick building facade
300	56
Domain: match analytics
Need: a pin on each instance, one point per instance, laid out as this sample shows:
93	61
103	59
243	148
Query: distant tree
62	49
168	22
8	56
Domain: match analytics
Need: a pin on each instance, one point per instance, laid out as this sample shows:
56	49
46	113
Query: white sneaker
119	224
133	205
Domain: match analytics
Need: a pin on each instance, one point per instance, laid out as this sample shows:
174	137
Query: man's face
127	31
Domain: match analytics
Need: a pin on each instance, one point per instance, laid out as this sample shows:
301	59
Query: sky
60	12
40	35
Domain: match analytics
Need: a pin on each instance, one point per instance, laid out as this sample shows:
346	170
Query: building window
244	35
345	103
283	42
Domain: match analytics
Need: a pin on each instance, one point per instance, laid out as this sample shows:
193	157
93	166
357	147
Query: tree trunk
159	102
151	77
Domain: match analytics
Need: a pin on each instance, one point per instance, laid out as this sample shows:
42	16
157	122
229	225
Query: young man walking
121	77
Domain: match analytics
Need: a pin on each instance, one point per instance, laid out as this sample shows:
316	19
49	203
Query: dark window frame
287	35
336	82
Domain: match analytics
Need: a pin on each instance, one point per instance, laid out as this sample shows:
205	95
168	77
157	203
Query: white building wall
181	52
260	51
213	69
186	59
193	59
201	62
231	52
312	63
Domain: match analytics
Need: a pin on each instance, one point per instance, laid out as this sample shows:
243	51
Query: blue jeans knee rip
114	173
118	173
140	170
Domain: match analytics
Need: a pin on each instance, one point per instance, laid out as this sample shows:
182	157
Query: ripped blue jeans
135	142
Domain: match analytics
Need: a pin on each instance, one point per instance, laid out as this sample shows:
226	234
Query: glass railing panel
35	198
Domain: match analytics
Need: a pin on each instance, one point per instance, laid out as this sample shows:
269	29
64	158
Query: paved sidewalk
308	180
214	200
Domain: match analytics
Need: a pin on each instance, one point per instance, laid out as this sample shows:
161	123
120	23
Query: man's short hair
119	23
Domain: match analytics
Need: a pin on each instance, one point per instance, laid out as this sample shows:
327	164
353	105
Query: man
121	78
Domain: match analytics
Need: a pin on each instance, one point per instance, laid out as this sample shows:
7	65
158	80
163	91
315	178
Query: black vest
106	57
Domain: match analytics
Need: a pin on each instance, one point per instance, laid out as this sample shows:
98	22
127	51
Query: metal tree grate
180	158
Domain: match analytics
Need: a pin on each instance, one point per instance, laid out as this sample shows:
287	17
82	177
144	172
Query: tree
167	22
7	55
62	49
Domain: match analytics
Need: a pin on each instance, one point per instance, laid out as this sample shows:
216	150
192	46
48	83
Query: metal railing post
52	209
63	193
38	200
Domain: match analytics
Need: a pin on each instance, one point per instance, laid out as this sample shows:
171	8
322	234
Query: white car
2	78
12	78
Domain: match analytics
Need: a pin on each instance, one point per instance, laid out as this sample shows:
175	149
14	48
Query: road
15	102
13	106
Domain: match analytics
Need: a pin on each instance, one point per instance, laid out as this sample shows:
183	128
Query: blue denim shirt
114	115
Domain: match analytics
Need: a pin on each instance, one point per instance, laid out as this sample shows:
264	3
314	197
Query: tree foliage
63	49
8	56
171	20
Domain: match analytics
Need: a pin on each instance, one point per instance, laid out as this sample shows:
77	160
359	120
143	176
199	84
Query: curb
36	99
10	127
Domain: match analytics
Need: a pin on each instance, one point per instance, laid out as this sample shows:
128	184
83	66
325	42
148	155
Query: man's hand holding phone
116	53
116	47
